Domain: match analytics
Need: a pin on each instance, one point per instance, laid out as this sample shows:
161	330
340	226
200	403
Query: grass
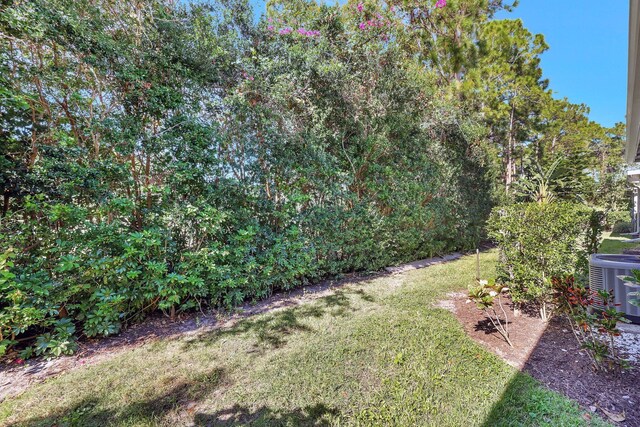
614	243
374	353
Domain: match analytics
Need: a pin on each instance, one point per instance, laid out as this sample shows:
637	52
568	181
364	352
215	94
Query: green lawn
613	243
376	353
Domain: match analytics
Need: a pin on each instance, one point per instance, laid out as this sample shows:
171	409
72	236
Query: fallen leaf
618	418
191	407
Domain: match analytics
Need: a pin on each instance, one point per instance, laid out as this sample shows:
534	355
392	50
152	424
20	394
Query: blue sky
587	59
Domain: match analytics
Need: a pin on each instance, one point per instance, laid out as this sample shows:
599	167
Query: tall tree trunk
5	204
137	215
509	153
147	179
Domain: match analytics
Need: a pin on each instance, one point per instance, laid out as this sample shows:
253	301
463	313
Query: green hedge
615	217
622	227
538	242
224	162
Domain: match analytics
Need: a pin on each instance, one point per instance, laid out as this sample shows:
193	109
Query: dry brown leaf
618	418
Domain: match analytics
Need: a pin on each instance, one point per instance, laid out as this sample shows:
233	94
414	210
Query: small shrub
594	329
486	295
615	217
595	227
622	227
537	241
592	241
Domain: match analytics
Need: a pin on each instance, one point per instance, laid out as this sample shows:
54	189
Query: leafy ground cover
374	353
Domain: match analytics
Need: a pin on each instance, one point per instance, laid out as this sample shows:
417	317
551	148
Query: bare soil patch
550	353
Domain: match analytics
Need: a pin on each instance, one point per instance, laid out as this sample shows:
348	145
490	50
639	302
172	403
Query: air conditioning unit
604	270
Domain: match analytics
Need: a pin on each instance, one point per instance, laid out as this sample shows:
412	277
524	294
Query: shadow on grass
91	411
181	404
556	369
522	404
524	401
316	415
271	330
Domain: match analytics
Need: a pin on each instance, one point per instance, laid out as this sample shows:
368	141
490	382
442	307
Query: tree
446	38
507	83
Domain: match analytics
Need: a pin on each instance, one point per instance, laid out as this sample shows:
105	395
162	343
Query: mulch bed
550	353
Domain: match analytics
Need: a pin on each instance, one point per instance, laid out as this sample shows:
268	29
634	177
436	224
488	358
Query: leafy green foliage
614	217
593	238
622	227
486	296
634	282
163	156
539	187
594	327
537	242
592	242
367	340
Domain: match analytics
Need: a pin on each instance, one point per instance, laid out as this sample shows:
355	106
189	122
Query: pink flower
309	33
270	28
362	25
360	7
19	361
285	31
441	3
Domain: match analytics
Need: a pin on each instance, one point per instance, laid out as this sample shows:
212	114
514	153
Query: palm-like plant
543	185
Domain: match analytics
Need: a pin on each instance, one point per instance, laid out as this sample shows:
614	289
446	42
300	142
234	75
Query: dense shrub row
170	158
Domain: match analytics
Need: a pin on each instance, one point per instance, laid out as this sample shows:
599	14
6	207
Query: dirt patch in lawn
550	353
525	330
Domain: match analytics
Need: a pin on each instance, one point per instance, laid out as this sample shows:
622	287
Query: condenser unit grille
596	283
605	271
